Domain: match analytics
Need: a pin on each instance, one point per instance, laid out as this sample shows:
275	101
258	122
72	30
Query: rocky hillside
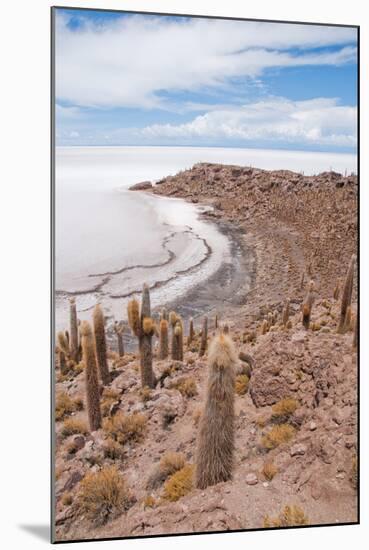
295	460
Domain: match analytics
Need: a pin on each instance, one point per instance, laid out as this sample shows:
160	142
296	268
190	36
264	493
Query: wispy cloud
320	121
130	61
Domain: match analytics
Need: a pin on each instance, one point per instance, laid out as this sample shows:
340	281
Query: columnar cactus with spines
73	330
63	343
347	294
163	339
286	313
100	343
119	330
164	314
173	348
307	305
215	442
143	328
336	292
91	376
62	361
178	334
191	333
204	336
216	321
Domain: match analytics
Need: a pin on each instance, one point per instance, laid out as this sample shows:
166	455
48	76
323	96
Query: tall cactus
163	339
143	328
347	294
91	377
178	335
286	313
191	333
100	343
204	336
73	330
307	305
215	442
119	330
173	348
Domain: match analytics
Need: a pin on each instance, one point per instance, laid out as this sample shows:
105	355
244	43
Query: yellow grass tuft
242	384
284	407
67	499
179	484
145	394
290	516
103	495
171	462
112	449
187	386
149	501
123	428
281	433
109	397
269	470
74	426
66	405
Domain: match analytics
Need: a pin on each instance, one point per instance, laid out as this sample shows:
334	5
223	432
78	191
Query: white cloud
128	62
319	121
67	113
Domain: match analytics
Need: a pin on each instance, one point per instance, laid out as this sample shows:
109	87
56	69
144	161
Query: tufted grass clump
66	405
112	449
186	386
169	464
73	426
103	495
281	433
282	410
242	384
290	516
145	394
123	428
109	397
269	470
179	484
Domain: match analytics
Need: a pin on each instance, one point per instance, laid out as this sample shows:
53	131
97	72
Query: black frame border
53	10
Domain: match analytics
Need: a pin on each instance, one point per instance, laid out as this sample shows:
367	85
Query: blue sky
131	79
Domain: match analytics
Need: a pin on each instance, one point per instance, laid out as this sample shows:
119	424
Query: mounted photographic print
205	296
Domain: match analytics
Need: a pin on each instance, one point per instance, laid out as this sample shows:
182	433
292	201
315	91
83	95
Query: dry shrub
269	470
179	484
261	421
74	426
242	384
149	501
281	433
67	499
103	495
109	397
145	394
187	386
66	405
282	410
123	428
290	516
112	449
169	464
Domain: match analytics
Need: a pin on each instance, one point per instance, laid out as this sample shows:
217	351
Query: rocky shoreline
296	386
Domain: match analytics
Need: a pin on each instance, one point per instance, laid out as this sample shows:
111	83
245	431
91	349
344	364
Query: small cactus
191	333
215	443
178	334
163	339
173	348
204	337
100	343
347	294
216	321
119	330
336	292
307	305
91	377
143	328
74	346
286	313
62	361
264	327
